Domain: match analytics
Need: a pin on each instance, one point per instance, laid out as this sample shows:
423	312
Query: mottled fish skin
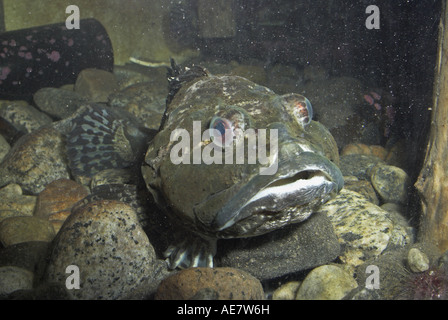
101	138
234	200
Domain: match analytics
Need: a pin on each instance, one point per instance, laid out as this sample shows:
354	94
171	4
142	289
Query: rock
288	291
393	207
360	148
146	101
22	205
11	190
35	160
96	85
328	282
46	291
362	187
358	165
58	103
113	254
112	176
394	274
137	198
55	202
23	117
14	278
15	230
4	214
293	248
14	204
229	283
391	183
206	294
364	230
25	255
128	75
417	260
391	274
4	148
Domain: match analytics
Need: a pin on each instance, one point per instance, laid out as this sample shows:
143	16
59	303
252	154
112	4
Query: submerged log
432	183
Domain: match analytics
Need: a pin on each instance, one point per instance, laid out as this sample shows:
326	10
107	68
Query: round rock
59	103
35	160
288	291
15	230
14	278
229	283
417	260
358	165
294	248
23	117
109	247
364	230
391	183
54	203
327	282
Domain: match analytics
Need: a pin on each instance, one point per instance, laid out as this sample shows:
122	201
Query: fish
209	195
100	138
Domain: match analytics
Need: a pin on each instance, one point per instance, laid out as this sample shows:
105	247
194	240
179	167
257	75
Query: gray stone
58	103
391	183
113	254
96	85
294	248
329	282
14	278
146	101
358	165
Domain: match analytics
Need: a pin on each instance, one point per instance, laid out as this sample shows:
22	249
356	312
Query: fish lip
316	181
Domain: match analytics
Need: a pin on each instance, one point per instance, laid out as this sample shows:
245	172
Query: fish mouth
288	198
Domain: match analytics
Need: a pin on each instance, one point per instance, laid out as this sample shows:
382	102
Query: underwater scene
223	150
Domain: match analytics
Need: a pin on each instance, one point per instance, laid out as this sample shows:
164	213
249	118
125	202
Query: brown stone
23	205
96	84
35	160
57	199
364	188
360	148
23	229
229	283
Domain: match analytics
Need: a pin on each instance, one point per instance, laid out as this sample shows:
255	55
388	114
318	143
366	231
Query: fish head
234	159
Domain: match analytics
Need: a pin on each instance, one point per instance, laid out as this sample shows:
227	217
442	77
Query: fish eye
223	132
300	107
